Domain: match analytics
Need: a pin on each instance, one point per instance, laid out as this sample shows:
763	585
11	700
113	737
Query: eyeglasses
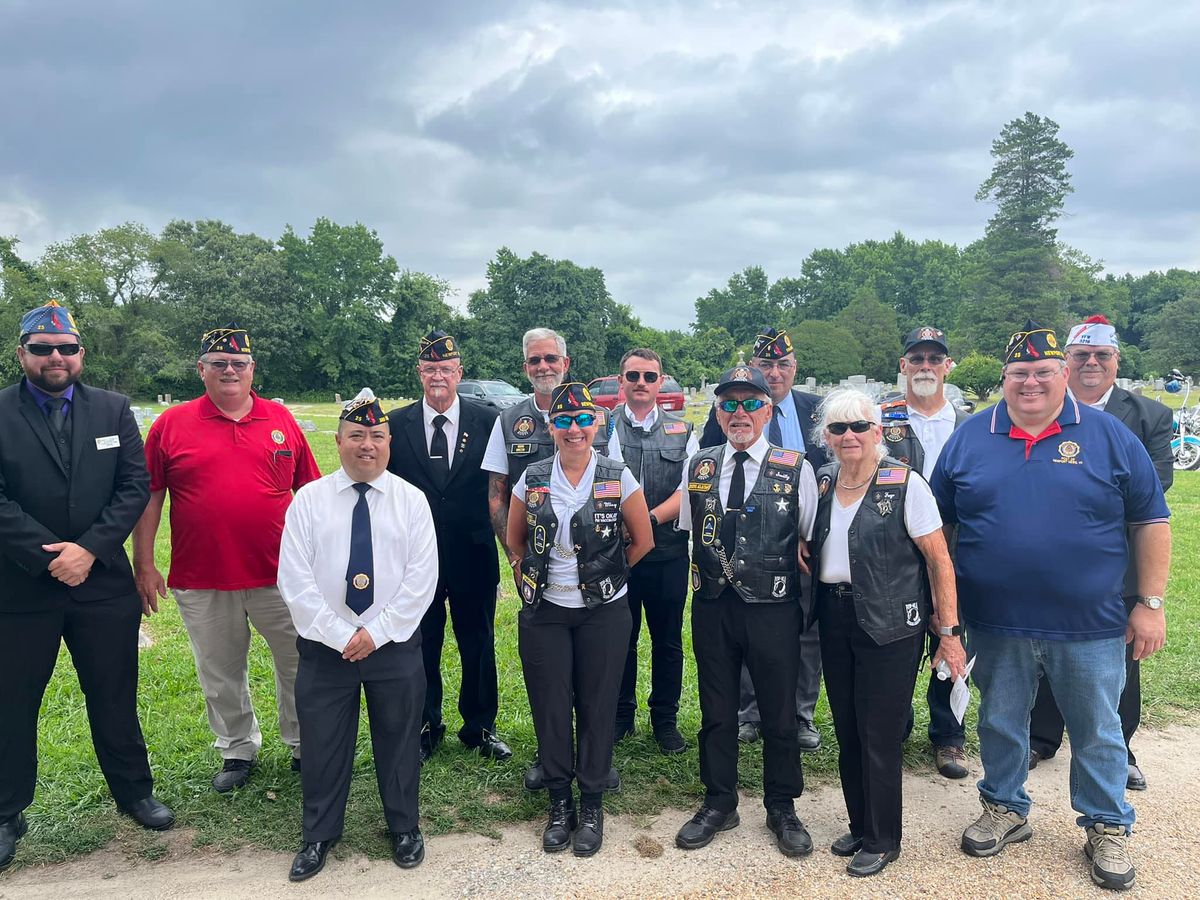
47	349
859	427
648	377
220	365
1042	375
769	365
583	420
447	372
550	358
750	404
920	359
1102	356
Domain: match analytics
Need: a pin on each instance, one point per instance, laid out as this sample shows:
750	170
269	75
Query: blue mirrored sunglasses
583	420
750	404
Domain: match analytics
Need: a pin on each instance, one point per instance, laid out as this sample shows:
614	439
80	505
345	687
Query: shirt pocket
281	464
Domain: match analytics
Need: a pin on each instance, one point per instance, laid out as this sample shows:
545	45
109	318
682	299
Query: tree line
330	311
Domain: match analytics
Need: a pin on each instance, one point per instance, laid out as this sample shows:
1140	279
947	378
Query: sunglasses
221	365
859	427
583	420
934	359
750	404
47	349
648	377
550	358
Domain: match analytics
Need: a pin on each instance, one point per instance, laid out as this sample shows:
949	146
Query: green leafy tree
420	304
1171	338
977	373
877	331
742	307
826	351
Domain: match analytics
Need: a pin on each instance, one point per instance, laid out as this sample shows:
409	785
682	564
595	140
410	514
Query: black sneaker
234	774
668	738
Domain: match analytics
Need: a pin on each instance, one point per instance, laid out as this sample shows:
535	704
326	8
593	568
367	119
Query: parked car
496	394
609	391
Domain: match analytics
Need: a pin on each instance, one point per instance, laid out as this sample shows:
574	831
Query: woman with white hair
877	546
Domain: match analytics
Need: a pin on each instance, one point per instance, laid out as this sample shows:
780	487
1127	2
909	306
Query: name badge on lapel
110	442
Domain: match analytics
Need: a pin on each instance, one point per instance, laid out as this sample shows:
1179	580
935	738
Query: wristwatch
1151	602
950	630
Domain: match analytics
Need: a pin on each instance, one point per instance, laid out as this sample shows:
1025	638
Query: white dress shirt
806	485
693	443
315	551
495	456
791	429
933	432
1102	402
449	427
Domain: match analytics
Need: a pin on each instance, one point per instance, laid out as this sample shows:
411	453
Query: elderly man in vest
749	506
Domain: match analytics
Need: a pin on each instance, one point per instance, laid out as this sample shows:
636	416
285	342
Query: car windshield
500	387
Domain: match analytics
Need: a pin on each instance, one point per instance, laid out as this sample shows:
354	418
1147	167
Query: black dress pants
572	660
473	615
660	588
727	632
328	691
870	690
1046	722
102	638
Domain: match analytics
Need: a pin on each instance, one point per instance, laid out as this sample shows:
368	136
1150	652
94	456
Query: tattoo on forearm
498	506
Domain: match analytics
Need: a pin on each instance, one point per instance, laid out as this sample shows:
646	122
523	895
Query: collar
41	397
1001	422
757	450
1103	401
451	414
645	424
787	406
946	413
209	410
589	472
342	482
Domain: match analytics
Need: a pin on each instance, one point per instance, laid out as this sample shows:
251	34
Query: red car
610	391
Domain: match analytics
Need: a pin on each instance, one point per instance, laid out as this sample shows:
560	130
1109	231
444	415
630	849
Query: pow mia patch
779	586
894	433
912	615
524	427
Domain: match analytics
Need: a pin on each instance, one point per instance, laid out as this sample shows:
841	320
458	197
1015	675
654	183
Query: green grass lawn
72	812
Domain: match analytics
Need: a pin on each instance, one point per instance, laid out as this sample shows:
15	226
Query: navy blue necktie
775	435
360	573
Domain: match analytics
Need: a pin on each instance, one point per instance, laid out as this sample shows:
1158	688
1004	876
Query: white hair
846	405
543	334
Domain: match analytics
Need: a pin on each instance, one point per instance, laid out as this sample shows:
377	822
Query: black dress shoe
11	832
408	848
808	738
790	834
700	829
431	739
668	738
612	783
295	764
234	773
623	730
535	776
1135	781
561	823
491	747
748	732
866	863
150	813
590	834
310	860
846	845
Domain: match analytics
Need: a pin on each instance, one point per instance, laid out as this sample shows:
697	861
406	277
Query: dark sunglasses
862	425
750	404
648	377
47	349
551	358
583	420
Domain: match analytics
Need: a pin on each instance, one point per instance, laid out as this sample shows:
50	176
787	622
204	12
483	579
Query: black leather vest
762	566
595	532
527	437
902	442
656	458
887	570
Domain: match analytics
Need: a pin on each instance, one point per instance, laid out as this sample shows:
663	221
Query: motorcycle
1185	441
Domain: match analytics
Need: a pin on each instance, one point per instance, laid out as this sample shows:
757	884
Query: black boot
561	823
590	833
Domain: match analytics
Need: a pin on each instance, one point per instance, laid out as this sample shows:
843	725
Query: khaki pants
218	624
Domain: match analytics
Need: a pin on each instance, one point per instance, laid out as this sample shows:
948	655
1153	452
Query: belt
842	590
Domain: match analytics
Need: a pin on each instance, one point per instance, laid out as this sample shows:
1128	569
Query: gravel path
639	858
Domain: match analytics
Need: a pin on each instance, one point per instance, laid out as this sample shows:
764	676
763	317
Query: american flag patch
605	489
891	476
675	428
783	457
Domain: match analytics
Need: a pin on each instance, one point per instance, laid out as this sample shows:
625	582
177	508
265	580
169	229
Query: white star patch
606	532
781	505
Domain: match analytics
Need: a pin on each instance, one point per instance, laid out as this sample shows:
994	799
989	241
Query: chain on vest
527	437
656	458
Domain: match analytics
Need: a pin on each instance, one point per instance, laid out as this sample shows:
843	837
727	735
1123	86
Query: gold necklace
855	487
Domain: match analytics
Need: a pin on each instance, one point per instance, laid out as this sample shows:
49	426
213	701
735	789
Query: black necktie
775	435
54	411
737	496
360	573
437	447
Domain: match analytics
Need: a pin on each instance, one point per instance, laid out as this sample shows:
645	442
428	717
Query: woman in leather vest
568	518
877	546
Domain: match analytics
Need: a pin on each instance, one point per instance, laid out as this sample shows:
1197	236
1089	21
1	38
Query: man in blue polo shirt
1042	489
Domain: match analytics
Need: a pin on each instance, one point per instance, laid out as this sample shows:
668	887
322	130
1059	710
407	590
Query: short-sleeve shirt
566	499
230	484
1041	521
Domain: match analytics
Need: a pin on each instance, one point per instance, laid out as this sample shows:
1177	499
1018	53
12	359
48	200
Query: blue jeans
1087	678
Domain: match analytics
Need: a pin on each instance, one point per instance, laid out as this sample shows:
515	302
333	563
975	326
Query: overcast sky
669	144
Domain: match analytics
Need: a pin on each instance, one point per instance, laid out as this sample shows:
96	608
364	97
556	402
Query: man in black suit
1093	356
73	483
792	419
438	445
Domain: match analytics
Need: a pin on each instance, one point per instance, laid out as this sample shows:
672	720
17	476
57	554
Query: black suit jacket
95	504
467	556
806	410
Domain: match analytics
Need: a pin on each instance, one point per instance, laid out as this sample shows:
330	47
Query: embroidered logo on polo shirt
1067	451
277	436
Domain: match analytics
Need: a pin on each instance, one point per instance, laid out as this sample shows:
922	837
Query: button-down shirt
791	429
316	550
1103	401
449	427
43	399
646	424
932	431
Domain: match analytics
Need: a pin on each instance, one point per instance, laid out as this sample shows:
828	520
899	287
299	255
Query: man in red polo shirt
231	462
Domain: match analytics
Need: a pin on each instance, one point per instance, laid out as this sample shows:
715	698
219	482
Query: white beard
924	387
